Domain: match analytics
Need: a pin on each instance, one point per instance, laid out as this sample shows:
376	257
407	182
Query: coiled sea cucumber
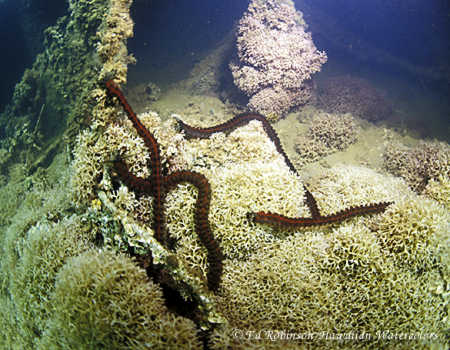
159	185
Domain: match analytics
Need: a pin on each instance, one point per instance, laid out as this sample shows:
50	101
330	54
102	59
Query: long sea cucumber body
202	227
160	185
155	158
134	182
287	222
234	123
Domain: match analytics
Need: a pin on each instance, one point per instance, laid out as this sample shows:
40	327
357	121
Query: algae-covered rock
53	96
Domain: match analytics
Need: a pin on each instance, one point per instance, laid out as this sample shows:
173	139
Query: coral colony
277	57
159	185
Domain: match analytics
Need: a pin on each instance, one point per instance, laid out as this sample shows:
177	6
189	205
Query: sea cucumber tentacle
202	227
287	222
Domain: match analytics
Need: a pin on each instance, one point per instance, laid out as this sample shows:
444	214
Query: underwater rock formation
52	97
277	57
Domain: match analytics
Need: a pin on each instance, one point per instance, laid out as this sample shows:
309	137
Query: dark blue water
414	30
22	23
404	39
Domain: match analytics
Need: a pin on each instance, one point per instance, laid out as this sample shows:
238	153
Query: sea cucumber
160	185
287	222
234	123
134	182
202	227
157	183
277	219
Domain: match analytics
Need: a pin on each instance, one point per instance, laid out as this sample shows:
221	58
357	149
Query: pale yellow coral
306	280
236	191
309	281
439	190
93	151
103	300
336	283
417	165
343	186
327	134
415	231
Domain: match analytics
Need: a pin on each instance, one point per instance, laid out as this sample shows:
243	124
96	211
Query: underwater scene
211	174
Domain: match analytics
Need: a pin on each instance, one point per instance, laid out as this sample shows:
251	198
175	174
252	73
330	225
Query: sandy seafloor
418	112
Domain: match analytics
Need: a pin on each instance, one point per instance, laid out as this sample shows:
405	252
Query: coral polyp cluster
359	277
429	160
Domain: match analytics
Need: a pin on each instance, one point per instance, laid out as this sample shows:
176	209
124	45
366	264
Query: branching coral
346	279
45	251
414	232
342	185
429	160
276	57
327	134
42	235
102	300
337	131
439	190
